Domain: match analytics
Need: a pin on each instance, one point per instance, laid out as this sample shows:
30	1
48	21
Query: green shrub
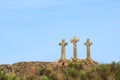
7	76
53	76
44	71
76	65
71	73
44	77
117	74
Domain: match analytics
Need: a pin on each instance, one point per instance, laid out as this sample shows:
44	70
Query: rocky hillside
82	70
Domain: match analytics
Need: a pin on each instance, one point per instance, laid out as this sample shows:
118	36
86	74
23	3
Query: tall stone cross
63	52
74	41
88	44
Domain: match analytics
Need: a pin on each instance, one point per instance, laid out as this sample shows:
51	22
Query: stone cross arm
74	40
88	43
63	43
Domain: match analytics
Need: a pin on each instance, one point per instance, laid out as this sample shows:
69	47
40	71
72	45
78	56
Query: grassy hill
82	70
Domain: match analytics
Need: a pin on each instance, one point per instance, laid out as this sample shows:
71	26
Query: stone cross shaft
74	41
88	44
63	51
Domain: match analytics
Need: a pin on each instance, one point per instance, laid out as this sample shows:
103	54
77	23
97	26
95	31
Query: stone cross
63	52
88	44
74	41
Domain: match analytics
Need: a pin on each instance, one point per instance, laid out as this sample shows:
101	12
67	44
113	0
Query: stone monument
74	41
63	51
88	44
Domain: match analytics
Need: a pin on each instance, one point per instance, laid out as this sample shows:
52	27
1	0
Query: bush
71	73
6	76
44	77
44	71
53	76
117	74
76	65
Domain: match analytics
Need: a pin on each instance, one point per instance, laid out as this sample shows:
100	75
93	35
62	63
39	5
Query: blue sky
30	30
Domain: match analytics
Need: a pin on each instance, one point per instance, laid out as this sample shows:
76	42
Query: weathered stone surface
63	51
74	41
88	44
